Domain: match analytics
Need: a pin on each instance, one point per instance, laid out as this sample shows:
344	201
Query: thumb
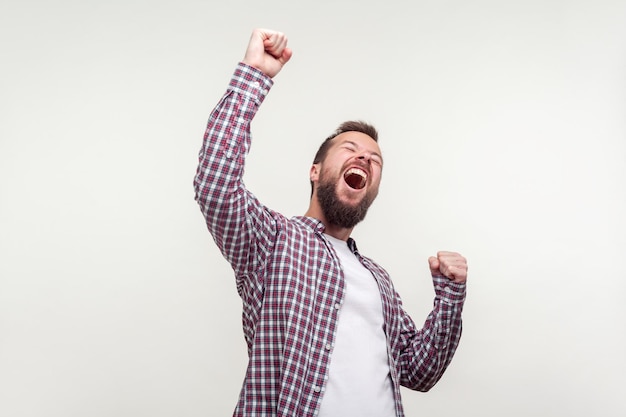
434	264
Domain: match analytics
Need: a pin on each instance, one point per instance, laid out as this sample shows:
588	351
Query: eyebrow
358	147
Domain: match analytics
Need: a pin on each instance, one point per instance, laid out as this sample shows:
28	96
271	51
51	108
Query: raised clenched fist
449	264
267	51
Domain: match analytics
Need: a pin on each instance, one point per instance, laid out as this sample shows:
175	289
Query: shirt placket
328	309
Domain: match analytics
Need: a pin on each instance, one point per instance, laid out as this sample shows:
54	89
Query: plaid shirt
291	282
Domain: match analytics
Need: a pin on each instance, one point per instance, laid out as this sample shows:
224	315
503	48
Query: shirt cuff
448	291
251	82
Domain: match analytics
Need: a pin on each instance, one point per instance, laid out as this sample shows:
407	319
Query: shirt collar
319	227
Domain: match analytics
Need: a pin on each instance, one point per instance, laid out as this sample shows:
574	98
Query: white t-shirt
359	383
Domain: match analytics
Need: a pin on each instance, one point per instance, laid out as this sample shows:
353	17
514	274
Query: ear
314	173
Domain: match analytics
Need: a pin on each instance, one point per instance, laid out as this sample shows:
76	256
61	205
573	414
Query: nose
366	156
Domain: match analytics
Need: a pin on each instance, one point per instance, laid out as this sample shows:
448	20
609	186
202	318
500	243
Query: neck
340	233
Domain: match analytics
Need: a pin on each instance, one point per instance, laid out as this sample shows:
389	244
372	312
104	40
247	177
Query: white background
503	128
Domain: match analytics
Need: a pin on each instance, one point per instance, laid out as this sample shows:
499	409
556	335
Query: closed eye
374	157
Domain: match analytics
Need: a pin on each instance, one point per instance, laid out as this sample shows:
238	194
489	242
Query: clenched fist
267	51
449	264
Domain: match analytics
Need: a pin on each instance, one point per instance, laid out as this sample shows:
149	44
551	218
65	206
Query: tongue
354	181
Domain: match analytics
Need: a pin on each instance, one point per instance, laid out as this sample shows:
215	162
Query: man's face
349	178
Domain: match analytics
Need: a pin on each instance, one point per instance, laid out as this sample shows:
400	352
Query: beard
336	211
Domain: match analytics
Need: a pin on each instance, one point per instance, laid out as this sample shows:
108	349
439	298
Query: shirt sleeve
427	352
241	226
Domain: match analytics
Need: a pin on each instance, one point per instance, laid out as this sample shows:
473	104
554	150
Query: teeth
358	172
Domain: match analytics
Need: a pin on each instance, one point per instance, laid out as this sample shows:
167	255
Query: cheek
378	177
327	176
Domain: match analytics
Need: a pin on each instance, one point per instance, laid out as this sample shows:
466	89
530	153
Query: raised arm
241	226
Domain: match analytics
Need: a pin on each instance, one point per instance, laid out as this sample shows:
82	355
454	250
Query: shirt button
317	389
256	84
328	346
337	306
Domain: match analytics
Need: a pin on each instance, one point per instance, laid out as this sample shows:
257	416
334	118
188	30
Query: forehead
360	140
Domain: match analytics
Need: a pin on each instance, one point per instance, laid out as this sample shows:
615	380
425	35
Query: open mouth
356	178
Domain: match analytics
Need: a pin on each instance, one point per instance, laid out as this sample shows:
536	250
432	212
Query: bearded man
326	331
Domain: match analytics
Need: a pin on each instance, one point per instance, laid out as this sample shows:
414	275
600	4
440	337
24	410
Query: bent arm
427	352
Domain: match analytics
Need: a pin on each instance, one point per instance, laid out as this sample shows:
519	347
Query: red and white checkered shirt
291	283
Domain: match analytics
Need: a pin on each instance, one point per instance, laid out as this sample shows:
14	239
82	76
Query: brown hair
349	126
